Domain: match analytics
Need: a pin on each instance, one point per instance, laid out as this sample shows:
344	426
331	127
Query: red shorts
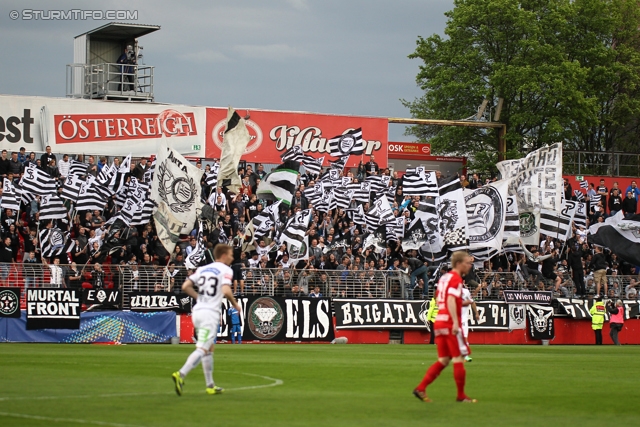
450	345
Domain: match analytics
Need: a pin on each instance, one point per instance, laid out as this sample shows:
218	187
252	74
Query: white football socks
192	361
207	368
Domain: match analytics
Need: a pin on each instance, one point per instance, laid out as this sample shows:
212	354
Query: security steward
597	318
432	312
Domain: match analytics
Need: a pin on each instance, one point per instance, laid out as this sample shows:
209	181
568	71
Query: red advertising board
273	132
409	148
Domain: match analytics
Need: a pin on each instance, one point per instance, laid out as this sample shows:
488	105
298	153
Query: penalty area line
64	420
275	382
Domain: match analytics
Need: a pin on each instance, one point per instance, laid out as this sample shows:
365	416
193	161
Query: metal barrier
109	80
601	163
291	282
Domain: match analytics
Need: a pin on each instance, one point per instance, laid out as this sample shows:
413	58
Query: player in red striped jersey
449	339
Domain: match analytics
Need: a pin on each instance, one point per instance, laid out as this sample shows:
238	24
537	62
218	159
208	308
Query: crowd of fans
347	268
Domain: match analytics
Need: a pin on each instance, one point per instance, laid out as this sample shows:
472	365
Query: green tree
568	70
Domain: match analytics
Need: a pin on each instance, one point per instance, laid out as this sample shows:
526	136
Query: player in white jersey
464	318
212	281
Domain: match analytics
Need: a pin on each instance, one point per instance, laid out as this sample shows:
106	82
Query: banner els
274	132
53	309
281	319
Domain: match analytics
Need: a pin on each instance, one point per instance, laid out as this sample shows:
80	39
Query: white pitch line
276	382
65	420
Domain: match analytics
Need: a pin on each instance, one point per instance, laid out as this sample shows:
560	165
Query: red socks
459	375
432	373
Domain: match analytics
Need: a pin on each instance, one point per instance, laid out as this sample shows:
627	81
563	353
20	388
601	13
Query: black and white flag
348	143
541	325
294	235
176	190
415	236
580	217
78	168
196	256
377	239
584	184
10	199
379	213
452	213
71	187
362	191
486	212
37	181
395	229
54	241
340	163
595	199
92	195
579	195
51	207
420	183
343	196
294	154
312	165
558	224
620	234
512	219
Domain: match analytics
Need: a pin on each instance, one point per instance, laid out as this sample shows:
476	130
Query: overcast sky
327	56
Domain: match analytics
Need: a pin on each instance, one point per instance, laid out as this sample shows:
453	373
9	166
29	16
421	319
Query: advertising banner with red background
273	132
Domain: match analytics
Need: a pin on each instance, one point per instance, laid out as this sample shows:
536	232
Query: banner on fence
379	314
527	297
159	301
103	297
101	326
579	308
9	302
541	325
517	316
53	309
281	319
491	315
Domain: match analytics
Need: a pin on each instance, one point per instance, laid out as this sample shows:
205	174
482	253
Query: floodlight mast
502	128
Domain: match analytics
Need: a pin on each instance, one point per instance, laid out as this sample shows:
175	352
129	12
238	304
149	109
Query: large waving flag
234	142
280	184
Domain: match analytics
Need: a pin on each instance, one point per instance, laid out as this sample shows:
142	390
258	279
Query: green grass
323	385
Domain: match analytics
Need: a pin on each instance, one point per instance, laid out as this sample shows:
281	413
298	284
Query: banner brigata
578	308
380	314
10	302
55	308
104	297
281	319
527	297
159	301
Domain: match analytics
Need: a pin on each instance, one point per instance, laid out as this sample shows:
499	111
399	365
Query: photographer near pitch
127	57
616	319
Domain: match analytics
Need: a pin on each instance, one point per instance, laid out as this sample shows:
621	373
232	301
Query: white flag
176	190
234	142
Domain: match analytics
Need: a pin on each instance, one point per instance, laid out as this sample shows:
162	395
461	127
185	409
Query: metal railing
109	80
291	282
601	163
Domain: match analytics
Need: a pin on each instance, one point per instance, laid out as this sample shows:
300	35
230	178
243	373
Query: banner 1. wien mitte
53	309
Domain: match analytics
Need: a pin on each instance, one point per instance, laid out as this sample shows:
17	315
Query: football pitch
316	385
